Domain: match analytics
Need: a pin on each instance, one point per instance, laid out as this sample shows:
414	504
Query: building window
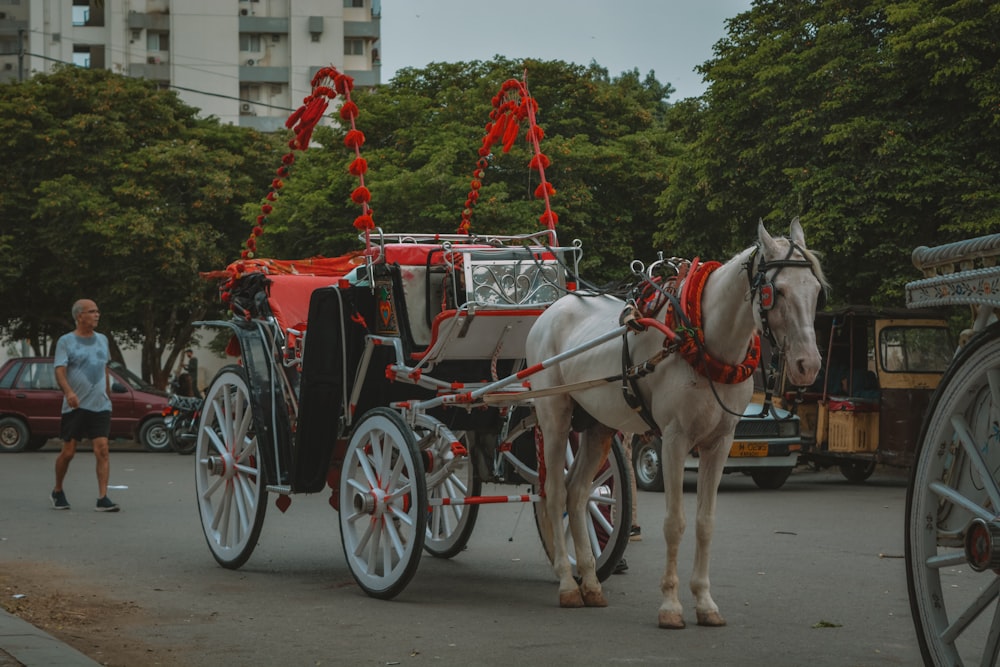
354	3
157	41
249	42
354	47
80	15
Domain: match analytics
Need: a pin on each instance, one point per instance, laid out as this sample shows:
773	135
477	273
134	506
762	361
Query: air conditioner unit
152	60
250	62
243	12
245	107
8	66
3	15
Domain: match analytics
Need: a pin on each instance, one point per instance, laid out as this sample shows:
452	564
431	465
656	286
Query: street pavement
809	574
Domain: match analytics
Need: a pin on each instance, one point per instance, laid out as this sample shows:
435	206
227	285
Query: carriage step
283	489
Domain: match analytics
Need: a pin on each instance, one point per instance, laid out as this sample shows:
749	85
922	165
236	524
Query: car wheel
36	442
770	478
856	472
13	435
154	436
647	463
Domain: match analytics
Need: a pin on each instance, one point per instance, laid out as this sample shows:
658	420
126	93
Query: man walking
81	368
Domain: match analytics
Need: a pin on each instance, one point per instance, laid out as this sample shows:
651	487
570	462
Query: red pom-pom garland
327	85
512	107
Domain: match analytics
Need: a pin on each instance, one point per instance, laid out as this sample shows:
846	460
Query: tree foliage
118	193
877	122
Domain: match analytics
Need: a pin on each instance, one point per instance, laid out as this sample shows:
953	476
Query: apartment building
247	62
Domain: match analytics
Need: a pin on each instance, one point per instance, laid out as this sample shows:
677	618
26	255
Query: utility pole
20	55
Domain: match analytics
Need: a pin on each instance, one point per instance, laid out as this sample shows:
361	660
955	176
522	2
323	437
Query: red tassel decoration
358	167
361	195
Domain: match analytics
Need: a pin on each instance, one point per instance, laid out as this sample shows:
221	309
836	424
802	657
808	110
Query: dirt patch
103	628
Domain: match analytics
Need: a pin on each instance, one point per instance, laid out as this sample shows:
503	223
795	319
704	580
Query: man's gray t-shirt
86	361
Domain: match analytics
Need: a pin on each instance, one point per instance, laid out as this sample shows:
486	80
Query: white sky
670	37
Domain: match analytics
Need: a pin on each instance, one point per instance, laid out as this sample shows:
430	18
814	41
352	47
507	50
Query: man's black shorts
83	424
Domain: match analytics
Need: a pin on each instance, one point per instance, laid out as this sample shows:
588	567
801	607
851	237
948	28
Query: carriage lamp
982	539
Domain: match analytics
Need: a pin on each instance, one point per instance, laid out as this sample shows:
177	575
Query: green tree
877	122
123	195
604	137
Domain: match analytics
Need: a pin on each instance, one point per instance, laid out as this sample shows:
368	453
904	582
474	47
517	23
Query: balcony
362	29
258	74
141	20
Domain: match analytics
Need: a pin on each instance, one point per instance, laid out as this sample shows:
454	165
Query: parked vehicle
31	403
766	448
881	367
181	419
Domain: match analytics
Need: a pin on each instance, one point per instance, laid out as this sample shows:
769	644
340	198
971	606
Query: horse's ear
796	234
766	242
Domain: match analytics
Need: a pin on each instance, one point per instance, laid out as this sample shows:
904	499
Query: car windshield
129	377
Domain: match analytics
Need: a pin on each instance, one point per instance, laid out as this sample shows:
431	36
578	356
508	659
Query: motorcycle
181	419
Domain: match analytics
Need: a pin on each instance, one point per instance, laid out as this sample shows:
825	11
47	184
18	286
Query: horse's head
787	285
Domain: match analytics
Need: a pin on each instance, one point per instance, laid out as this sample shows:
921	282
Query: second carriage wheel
953	513
383	511
609	507
450	478
229	478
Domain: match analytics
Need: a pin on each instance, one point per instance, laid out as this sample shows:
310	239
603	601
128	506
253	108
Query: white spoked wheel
609	507
228	476
953	513
383	511
450	478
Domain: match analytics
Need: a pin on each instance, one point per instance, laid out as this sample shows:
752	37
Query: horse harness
651	295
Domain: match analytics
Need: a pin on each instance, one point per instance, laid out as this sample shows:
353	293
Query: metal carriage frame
405	393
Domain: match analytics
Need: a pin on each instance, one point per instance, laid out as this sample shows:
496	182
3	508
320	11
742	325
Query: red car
31	402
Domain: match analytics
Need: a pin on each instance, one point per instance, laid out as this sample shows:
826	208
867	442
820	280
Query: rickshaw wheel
954	588
383	511
228	475
449	527
609	508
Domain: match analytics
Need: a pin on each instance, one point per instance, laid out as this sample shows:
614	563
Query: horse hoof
570	599
594	599
671	620
712	619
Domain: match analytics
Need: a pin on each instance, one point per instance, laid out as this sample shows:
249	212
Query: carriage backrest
438	278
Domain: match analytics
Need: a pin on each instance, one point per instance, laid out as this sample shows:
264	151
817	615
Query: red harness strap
692	341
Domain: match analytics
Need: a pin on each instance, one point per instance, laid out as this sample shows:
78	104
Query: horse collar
691	344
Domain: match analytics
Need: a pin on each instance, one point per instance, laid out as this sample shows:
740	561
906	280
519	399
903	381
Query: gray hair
77	308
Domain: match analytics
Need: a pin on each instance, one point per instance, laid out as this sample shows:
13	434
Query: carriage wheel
952	505
228	474
609	508
449	527
383	512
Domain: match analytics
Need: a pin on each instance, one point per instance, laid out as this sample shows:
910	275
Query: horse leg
554	414
674	450
595	444
710	467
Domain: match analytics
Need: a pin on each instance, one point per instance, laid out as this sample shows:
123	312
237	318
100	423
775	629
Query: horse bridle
762	287
762	290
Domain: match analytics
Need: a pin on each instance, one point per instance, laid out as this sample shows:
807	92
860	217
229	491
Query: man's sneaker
621	568
105	505
636	534
59	501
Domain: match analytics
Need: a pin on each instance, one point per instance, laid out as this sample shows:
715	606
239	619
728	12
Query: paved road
818	552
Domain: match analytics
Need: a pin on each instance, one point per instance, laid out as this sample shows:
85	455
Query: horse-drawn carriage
407	375
953	501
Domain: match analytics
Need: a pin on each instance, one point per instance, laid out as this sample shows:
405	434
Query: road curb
21	643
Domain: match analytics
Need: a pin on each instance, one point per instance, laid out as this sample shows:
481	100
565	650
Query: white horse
771	287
